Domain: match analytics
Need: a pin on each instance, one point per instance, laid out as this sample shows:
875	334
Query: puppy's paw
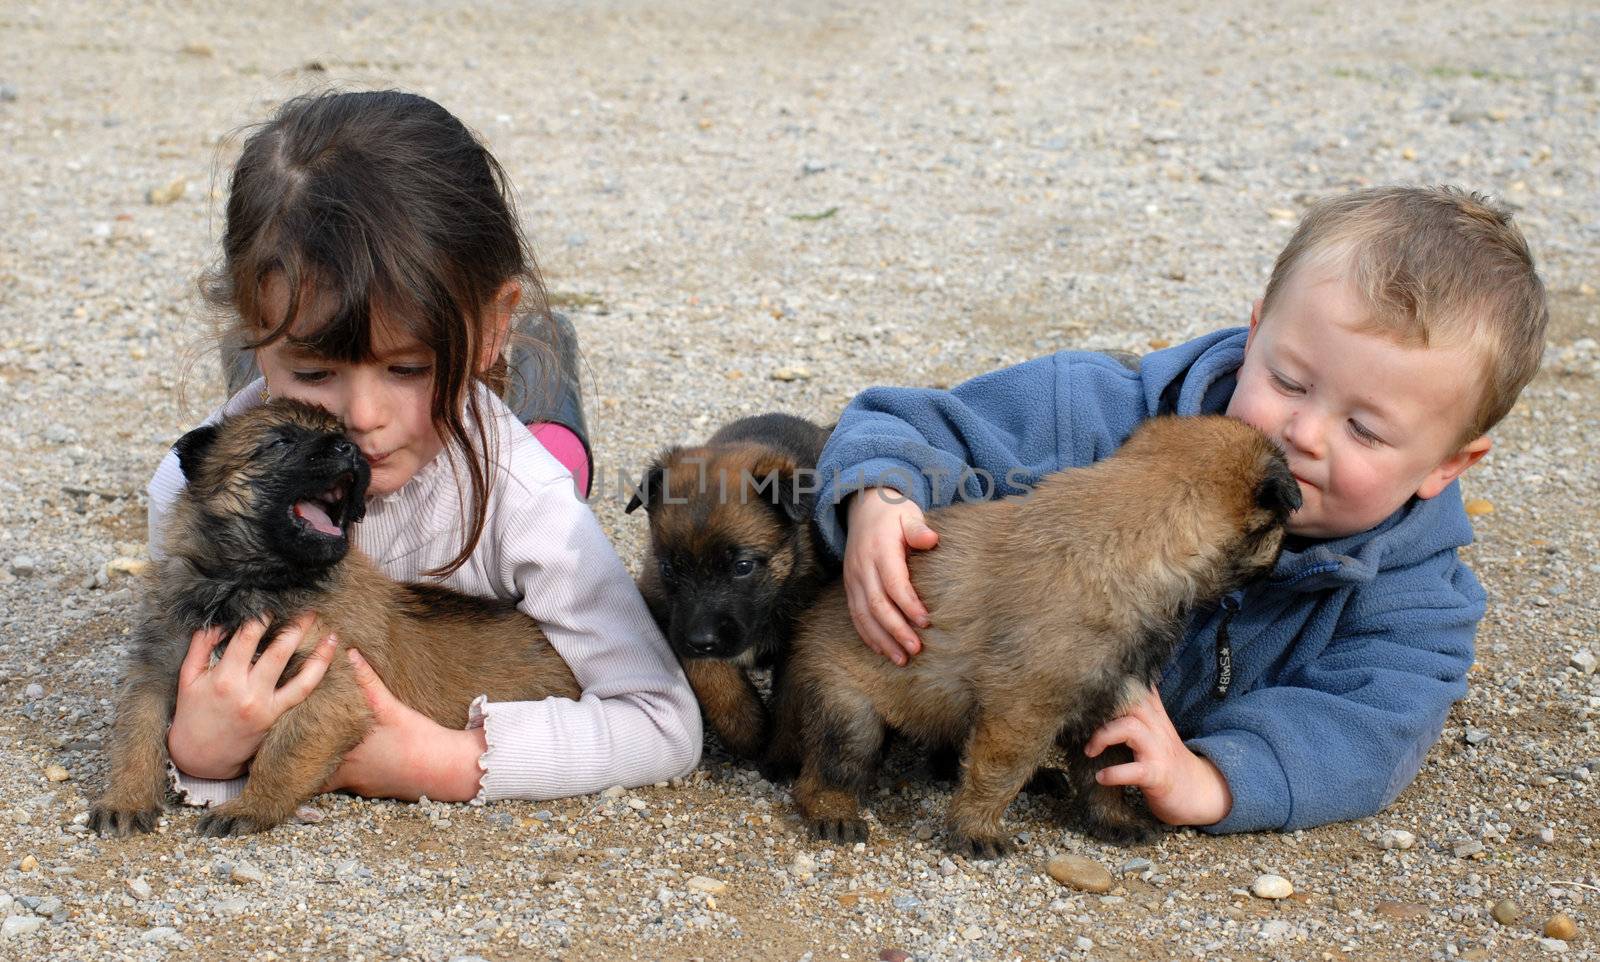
843	831
779	771
120	822
222	822
975	847
1122	831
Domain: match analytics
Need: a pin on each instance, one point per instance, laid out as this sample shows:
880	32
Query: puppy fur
1051	613
734	559
240	547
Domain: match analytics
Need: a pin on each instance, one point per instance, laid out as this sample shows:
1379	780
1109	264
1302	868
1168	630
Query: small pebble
167	193
894	955
1476	736
1083	943
22	566
803	866
947	868
972	933
1561	927
1077	872
1552	945
160	933
1276	929
56	773
20	925
1585	661
710	886
1397	838
1547	836
246	873
1467	847
1271	887
33	692
28	864
1505	912
140	888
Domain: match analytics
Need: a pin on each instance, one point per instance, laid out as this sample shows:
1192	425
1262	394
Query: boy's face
1365	422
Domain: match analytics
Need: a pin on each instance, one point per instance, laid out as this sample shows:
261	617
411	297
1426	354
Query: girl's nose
364	407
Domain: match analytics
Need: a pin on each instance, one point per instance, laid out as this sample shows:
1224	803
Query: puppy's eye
744	568
665	567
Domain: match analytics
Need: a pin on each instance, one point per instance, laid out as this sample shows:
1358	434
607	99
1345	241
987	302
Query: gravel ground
755	209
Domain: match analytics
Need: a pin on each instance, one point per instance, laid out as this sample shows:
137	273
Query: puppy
262	529
1051	613
734	559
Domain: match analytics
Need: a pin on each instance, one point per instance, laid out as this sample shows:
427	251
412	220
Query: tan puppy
262	530
1051	613
734	560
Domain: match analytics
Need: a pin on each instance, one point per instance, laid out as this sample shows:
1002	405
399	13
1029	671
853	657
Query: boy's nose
1304	434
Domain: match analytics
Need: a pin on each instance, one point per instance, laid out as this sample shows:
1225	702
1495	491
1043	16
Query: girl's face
385	404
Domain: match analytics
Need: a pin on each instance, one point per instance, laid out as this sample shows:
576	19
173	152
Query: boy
1398	326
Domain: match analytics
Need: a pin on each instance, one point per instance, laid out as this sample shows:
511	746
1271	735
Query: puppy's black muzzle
709	636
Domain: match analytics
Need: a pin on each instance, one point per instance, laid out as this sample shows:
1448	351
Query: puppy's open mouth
328	513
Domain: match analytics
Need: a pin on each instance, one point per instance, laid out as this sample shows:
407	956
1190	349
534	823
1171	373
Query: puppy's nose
344	448
702	641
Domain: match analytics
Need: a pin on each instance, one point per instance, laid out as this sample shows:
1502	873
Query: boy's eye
311	377
409	370
1284	384
1363	435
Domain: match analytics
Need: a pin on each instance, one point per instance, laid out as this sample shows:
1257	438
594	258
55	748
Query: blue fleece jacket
1345	660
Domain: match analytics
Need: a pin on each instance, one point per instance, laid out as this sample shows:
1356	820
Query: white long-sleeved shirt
637	721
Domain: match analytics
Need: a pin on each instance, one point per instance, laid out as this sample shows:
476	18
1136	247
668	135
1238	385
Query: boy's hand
407	754
1180	787
884	525
224	710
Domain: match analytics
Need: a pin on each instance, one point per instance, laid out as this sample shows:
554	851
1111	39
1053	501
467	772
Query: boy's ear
1452	467
1255	321
192	449
498	323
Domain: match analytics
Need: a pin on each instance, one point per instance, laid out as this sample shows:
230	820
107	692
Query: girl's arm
638	721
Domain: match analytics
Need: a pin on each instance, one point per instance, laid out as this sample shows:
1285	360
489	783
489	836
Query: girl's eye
312	377
409	370
744	568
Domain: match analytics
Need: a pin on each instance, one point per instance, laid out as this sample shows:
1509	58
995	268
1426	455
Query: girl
373	264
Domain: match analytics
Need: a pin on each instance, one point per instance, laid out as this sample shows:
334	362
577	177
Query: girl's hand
884	526
1180	787
224	710
407	754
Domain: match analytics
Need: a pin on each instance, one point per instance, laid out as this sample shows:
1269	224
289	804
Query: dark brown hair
1435	265
380	201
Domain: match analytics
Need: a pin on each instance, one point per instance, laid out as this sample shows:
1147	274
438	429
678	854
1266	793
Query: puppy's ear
649	489
1278	491
192	448
778	481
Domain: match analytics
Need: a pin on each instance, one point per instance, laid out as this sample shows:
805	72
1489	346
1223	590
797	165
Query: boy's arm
1345	733
993	435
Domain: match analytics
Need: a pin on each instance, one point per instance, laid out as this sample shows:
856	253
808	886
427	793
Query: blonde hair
1435	265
